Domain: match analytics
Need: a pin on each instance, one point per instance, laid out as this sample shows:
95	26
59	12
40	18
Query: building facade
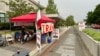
4	8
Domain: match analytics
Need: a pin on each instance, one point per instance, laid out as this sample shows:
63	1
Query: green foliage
51	7
94	17
59	22
94	34
18	7
89	18
70	21
4	26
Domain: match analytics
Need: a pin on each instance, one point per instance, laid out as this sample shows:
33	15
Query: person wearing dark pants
22	34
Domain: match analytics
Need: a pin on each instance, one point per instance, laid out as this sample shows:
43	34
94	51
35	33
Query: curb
46	46
50	46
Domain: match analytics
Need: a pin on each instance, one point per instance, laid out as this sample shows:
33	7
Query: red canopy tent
30	18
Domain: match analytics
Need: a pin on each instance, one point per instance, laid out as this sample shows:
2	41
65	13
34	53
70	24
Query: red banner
47	27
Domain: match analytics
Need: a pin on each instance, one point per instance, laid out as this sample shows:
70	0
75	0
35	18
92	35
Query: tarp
30	17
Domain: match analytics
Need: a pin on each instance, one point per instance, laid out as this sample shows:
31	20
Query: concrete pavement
5	51
70	44
46	46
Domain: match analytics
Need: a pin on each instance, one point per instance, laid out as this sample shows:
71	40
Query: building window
2	17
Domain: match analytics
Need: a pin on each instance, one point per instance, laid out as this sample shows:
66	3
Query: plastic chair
9	38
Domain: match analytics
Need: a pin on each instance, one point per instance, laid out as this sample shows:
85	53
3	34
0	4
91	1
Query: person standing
22	33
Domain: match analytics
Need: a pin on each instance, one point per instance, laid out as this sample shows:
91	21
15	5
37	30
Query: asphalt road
69	44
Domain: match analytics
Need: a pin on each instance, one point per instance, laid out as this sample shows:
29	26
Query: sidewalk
46	46
5	52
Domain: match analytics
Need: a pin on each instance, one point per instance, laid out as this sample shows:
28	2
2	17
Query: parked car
96	26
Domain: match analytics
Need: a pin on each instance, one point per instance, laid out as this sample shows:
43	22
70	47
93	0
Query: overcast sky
77	8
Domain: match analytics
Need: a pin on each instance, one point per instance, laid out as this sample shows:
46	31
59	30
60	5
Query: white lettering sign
23	23
47	27
55	34
81	26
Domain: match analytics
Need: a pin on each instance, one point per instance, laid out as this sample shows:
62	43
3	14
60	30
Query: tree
59	22
18	7
51	7
94	17
89	19
70	20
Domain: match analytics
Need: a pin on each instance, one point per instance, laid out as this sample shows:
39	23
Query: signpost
55	34
81	26
47	28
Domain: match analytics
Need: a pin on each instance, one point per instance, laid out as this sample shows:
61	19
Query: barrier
92	45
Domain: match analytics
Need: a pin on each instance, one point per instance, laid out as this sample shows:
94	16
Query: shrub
94	34
5	26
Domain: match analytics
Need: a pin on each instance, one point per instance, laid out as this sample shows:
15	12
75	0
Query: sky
77	8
